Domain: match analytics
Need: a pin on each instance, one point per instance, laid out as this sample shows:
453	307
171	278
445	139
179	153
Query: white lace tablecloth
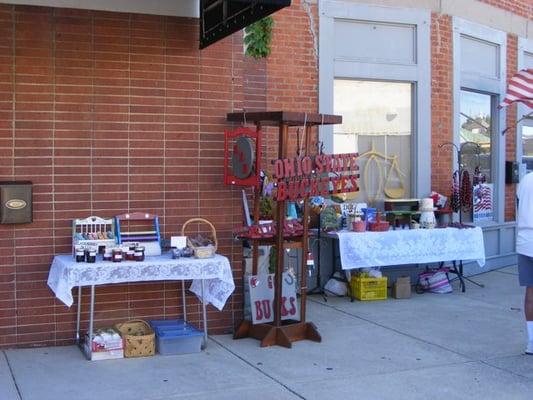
66	273
415	246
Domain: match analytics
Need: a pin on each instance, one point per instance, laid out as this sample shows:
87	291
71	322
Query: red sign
321	175
242	155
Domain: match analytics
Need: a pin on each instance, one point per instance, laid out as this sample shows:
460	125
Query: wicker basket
139	338
201	251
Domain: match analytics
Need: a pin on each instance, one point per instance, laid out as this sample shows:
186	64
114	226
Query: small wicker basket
139	338
201	251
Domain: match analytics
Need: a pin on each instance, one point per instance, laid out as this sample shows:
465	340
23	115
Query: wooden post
305	237
257	200
280	216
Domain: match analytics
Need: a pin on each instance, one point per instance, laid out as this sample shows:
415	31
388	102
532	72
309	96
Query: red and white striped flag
520	89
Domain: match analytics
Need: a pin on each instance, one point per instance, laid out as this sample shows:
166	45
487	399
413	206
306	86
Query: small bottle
130	255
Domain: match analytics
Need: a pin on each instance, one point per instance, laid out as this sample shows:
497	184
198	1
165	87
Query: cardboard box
107	345
402	288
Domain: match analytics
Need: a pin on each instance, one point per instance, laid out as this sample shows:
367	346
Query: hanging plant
258	38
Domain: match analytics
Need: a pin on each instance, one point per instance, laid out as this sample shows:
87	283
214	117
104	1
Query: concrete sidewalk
457	346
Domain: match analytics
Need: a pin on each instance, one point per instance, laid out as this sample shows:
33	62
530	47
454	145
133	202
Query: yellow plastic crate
365	288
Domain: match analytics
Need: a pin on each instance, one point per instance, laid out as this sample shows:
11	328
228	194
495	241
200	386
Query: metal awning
221	18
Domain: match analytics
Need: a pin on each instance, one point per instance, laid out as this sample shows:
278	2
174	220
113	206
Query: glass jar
80	255
117	255
91	256
130	255
139	253
108	255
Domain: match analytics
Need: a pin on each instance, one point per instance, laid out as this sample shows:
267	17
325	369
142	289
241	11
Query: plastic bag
434	281
337	285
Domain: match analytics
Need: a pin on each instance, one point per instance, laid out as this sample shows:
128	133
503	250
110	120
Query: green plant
258	37
265	208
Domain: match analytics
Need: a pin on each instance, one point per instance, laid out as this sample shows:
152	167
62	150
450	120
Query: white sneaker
529	348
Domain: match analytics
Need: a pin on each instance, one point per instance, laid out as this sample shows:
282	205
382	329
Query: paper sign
262	298
179	242
483	203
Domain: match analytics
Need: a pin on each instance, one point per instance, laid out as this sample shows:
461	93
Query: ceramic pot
358	226
427	220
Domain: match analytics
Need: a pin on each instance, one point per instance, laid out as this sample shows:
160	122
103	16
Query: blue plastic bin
171	340
168	323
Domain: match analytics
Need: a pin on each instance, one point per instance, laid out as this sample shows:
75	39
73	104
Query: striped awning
520	89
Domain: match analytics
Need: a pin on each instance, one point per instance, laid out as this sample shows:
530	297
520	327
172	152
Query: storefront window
476	121
377	123
527	147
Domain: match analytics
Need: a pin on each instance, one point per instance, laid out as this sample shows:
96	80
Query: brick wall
524	8
510	123
292	67
441	103
109	113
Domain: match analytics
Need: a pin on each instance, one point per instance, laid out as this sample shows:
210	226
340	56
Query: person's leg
525	276
528	311
528	304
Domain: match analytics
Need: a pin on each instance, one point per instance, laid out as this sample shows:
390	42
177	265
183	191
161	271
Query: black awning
221	18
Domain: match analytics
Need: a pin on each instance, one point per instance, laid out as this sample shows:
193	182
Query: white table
66	273
411	246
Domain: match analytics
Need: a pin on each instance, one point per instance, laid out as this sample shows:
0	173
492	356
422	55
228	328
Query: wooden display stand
279	332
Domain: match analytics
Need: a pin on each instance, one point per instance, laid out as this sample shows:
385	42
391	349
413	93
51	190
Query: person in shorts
524	248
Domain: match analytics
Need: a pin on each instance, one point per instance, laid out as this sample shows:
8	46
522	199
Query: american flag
482	198
520	89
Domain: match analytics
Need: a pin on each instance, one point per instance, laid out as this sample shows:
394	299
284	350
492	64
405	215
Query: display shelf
140	227
96	231
279	332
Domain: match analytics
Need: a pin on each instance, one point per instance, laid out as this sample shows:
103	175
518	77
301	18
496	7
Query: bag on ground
435	281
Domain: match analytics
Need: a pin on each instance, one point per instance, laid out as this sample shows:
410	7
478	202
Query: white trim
485	84
363	12
524	45
179	8
419	74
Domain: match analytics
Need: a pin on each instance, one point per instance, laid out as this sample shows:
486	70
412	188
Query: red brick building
116	110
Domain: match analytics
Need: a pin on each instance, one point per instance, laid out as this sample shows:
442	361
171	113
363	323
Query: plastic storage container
166	323
365	288
171	340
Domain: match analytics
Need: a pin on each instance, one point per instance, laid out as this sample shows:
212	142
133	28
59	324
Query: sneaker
529	348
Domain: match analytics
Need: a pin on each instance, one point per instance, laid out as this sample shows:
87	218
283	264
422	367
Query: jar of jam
90	256
130	255
139	253
80	255
117	255
108	255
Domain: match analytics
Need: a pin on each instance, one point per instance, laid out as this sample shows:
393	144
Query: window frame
524	46
412	138
495	86
418	74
